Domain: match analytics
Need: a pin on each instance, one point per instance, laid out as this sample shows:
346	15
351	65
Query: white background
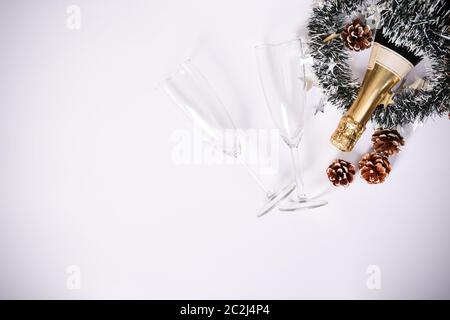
87	177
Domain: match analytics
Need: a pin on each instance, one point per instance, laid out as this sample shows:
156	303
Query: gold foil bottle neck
386	68
347	134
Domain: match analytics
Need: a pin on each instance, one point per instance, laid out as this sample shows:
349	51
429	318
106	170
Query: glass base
275	199
301	204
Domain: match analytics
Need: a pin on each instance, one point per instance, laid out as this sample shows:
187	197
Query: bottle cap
347	133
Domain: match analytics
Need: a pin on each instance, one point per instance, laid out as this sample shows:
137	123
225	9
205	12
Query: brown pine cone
357	36
388	141
340	172
375	167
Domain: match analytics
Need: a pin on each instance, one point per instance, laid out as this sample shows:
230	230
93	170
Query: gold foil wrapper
347	133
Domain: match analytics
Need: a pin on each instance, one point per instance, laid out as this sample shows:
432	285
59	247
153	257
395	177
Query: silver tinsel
420	25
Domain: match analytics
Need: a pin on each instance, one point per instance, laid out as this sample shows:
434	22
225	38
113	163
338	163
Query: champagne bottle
389	63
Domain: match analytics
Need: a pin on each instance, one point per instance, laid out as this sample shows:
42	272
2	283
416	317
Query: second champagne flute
282	71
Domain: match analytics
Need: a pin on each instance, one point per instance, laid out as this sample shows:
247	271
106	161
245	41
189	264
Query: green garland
420	25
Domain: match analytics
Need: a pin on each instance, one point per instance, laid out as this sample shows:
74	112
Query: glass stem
297	172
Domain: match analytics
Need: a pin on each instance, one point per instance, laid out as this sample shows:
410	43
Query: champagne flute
188	88
282	71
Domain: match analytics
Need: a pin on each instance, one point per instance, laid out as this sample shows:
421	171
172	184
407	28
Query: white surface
87	179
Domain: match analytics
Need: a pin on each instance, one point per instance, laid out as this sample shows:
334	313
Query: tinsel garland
420	25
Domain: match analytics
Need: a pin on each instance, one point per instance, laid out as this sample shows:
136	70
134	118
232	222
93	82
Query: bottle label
373	55
389	59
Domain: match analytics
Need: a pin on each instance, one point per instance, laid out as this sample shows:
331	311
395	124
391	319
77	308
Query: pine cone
340	172
357	36
387	140
375	167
